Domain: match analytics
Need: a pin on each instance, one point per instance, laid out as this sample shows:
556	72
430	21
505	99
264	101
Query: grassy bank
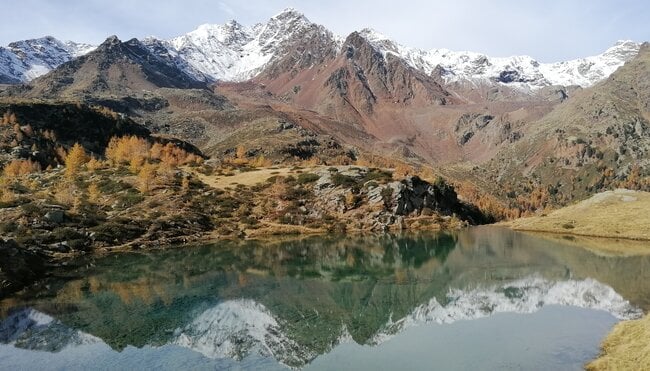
613	214
627	347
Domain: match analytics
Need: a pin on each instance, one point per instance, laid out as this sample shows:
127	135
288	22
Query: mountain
233	52
114	68
222	86
598	138
25	60
520	71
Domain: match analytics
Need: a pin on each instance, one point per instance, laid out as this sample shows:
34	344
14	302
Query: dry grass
249	178
613	214
627	347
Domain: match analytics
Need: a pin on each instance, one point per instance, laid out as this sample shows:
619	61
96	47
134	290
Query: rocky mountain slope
411	114
25	60
598	138
114	68
234	52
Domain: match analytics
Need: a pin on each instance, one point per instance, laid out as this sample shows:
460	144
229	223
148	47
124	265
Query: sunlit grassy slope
620	214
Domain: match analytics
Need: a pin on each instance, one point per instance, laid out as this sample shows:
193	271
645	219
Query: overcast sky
548	30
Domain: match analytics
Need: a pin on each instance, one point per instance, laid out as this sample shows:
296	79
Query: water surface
483	298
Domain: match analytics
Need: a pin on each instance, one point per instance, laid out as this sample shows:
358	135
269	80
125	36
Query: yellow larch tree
75	159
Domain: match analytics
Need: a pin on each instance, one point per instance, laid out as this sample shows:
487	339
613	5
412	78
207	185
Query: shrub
339	179
130	198
305	178
18	168
378	175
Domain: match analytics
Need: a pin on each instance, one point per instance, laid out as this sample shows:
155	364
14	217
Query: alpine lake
483	298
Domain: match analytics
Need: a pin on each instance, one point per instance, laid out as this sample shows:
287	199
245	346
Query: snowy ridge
234	52
28	59
519	71
523	296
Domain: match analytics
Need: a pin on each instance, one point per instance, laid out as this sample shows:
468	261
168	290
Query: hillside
596	140
114	68
614	214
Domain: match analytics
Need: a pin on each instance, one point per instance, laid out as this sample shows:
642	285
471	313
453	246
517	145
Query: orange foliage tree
18	168
146	177
75	159
136	151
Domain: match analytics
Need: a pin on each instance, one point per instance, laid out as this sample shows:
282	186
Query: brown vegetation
134	151
75	159
18	168
627	347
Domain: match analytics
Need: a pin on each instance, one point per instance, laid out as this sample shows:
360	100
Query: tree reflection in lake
294	300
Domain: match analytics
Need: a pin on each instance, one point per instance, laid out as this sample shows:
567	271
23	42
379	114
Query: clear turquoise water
483	298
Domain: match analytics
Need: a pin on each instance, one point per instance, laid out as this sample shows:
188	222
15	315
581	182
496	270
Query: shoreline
67	262
565	233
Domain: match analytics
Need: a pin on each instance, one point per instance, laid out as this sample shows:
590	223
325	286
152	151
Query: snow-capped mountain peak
229	34
35	57
519	71
235	52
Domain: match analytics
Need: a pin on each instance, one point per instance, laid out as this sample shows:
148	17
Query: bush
118	231
378	175
339	179
31	209
293	194
6	228
65	234
307	178
130	198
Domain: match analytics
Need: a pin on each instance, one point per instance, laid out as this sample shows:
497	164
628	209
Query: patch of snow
233	52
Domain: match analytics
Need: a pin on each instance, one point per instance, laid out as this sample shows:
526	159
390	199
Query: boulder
55	216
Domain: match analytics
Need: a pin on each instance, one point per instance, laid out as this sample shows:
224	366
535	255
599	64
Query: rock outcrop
375	205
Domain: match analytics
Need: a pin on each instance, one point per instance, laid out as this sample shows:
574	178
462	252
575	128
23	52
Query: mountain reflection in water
248	303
